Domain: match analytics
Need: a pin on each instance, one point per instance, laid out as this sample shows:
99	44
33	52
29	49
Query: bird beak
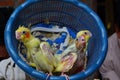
17	35
80	42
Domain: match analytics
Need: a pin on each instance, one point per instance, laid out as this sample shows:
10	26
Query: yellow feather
35	52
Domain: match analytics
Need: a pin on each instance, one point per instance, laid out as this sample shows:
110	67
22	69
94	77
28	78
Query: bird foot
66	76
48	75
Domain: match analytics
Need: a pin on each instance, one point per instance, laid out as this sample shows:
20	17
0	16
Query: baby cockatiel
74	56
81	43
38	53
23	34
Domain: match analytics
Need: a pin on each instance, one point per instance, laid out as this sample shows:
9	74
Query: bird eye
83	39
85	33
76	39
24	32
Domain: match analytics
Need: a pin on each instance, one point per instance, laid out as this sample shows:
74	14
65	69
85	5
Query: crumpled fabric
10	71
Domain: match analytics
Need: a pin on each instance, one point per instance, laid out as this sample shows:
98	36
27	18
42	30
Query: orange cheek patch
27	35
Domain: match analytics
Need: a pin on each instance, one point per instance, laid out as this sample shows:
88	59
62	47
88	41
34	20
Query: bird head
22	33
82	38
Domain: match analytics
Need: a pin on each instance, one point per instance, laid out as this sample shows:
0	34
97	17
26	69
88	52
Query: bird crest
22	28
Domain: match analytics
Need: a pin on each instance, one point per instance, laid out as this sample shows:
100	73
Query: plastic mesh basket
70	13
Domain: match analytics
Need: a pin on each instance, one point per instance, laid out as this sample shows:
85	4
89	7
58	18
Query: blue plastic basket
72	13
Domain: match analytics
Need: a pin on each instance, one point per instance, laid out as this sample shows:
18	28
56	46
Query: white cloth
111	66
10	71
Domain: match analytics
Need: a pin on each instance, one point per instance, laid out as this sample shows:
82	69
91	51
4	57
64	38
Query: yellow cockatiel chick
38	53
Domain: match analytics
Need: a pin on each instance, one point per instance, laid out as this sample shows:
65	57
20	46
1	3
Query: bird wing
66	62
41	62
49	53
